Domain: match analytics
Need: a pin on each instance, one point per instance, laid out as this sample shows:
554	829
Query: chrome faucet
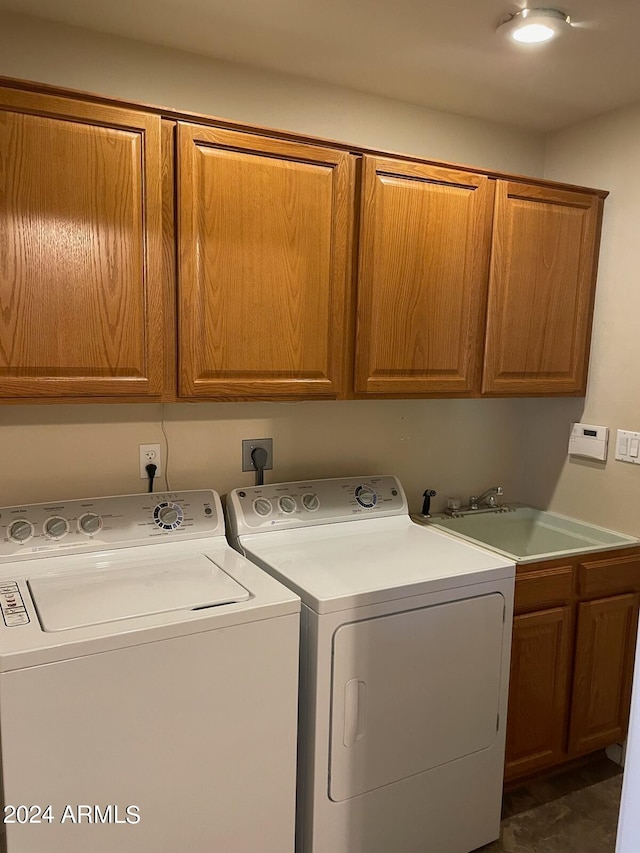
490	496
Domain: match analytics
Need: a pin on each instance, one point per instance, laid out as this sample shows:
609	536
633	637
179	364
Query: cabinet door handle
355	711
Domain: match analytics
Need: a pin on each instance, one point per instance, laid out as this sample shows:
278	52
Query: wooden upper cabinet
106	210
423	265
265	243
541	290
81	311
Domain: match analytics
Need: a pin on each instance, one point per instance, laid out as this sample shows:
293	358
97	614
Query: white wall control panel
589	441
628	446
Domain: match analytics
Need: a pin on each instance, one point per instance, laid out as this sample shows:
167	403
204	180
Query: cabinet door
541	290
605	650
80	249
538	690
422	280
265	232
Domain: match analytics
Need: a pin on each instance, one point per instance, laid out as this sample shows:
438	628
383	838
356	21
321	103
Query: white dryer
148	682
405	650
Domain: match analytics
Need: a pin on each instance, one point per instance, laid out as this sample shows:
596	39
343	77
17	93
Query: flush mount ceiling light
533	26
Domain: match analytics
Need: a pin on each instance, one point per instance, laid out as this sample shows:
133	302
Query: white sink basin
526	534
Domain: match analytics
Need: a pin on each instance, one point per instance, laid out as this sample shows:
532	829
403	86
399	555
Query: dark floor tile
600	802
559	785
518	801
582	821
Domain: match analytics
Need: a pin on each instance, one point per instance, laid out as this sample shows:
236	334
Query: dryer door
413	690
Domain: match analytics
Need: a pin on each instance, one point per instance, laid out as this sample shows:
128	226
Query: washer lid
126	590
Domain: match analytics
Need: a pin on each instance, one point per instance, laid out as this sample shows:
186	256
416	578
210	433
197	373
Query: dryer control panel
92	524
311	502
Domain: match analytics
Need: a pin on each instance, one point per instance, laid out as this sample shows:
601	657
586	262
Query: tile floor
575	812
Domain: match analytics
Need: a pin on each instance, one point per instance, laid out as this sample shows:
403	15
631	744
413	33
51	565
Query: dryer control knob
90	523
287	504
311	502
56	527
366	497
21	530
262	506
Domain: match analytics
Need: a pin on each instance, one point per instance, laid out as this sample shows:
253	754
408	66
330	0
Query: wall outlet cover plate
149	453
248	445
628	446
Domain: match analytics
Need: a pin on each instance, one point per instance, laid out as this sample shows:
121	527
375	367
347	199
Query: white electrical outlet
149	453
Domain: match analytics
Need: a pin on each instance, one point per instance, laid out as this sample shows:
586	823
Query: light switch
628	446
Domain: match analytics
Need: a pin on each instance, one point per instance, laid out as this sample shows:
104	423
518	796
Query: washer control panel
14	612
311	502
96	523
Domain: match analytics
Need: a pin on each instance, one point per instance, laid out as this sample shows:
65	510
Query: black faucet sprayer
426	504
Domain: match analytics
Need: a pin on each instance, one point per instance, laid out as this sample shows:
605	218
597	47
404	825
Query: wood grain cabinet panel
265	234
543	588
538	691
605	649
81	311
599	578
223	269
572	658
422	280
541	290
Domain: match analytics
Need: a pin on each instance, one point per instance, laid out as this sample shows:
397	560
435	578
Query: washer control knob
168	514
287	504
262	507
366	497
21	530
56	527
311	502
90	523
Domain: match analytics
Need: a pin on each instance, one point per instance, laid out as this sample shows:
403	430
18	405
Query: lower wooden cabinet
572	659
605	645
539	690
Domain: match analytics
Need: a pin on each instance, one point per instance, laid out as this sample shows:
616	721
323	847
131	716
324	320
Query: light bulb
533	26
533	33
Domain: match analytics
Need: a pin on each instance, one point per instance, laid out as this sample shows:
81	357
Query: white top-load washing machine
148	682
405	650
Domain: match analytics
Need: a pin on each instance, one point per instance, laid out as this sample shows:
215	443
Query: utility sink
526	534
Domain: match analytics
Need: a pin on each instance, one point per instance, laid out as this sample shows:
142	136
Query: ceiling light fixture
533	26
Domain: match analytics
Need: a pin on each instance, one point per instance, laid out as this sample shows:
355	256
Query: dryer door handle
355	711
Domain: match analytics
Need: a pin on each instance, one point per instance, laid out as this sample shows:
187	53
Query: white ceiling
444	54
